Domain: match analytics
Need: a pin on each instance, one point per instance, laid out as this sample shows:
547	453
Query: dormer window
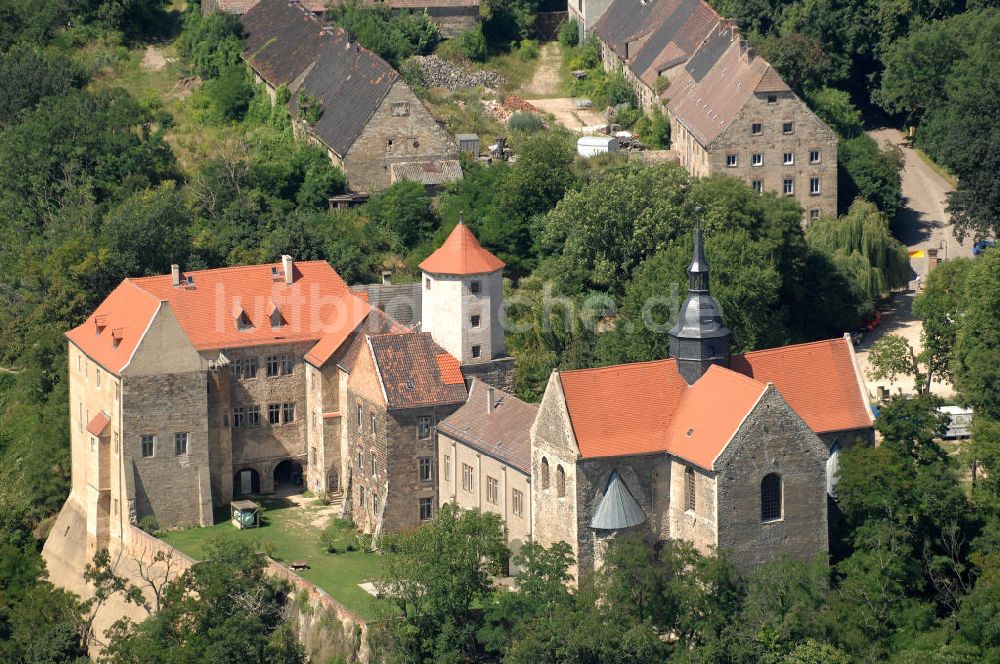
277	320
116	336
100	322
243	322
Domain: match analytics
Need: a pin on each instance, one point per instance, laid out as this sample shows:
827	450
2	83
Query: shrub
526	122
528	49
209	44
227	97
618	91
394	35
470	45
569	33
149	524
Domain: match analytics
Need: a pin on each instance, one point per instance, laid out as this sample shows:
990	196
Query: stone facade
453	21
401	129
727	498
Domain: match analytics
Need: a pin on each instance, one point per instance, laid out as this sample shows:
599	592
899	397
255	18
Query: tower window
477	351
770	497
689	497
475	286
427	283
474	321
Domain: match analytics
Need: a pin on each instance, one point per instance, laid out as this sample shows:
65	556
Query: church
736	453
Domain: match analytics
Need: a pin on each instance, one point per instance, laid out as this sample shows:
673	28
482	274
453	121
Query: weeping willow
861	245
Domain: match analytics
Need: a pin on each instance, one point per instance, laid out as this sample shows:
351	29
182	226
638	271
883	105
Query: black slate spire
699	339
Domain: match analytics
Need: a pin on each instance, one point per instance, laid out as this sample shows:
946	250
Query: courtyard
291	530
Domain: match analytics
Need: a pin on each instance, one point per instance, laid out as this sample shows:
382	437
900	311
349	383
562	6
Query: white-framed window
250	367
426	509
426	469
468	477
517	502
756	128
788	186
424	427
788	159
272	366
474	320
447	468
732	160
788	127
815	156
814	186
477	350
180	443
814	214
492	489
757	159
475	286
288	410
147	445
274	413
758	186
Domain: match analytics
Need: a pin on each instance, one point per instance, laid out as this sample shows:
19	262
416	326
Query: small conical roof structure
618	508
461	254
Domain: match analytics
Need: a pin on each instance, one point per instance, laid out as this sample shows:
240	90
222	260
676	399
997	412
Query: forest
97	184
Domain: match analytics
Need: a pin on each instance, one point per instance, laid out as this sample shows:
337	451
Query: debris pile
438	73
628	142
511	104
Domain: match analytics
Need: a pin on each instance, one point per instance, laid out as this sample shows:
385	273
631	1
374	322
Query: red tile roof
647	407
317	306
411	372
461	254
98	423
451	371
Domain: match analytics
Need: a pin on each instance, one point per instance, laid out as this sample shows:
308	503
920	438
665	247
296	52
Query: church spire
699	339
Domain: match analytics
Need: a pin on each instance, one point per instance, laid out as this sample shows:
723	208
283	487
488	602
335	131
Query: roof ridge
620	365
778	349
134	283
227	268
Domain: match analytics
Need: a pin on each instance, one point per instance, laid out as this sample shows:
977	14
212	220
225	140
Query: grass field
292	532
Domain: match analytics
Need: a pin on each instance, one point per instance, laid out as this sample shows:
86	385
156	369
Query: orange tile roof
98	423
328	345
647	407
451	371
317	306
461	254
112	332
817	379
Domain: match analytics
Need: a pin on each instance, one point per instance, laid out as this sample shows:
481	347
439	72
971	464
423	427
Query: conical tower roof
618	508
461	254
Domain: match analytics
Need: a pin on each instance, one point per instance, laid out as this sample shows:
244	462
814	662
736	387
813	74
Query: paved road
922	224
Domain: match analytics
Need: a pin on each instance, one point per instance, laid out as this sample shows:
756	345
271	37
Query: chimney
288	267
386	277
175	274
491	399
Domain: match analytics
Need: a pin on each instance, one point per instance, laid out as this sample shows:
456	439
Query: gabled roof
461	254
112	332
647	407
282	41
377	322
415	371
617	508
210	306
503	433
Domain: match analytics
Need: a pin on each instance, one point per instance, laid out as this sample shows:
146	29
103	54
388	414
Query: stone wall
453	21
694	157
554	519
174	488
772	439
389	138
698	526
499	373
220	435
809	133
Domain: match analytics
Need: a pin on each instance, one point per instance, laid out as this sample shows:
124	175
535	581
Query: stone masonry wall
809	133
697	526
220	435
174	488
772	439
554	519
391	138
498	373
453	21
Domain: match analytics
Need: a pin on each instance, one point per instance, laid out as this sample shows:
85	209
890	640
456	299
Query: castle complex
190	389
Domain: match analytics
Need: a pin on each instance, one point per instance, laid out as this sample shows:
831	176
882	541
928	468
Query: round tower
699	339
461	295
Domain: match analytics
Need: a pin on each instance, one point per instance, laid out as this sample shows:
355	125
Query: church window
689	498
770	497
545	474
560	482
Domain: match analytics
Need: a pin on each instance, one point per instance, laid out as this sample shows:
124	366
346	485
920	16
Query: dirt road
547	81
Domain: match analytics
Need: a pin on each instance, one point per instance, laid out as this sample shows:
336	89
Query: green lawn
292	533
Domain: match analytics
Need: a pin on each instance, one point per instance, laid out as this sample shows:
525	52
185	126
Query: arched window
770	497
832	468
560	482
545	474
689	489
